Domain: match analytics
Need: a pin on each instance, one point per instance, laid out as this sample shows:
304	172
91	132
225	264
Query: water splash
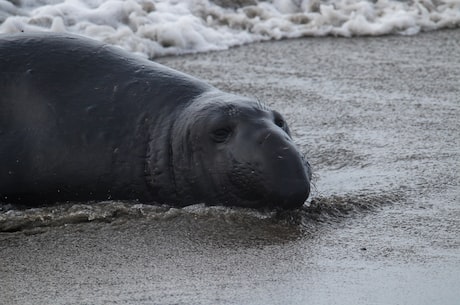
155	28
319	210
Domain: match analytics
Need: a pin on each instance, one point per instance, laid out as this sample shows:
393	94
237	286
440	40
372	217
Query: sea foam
169	27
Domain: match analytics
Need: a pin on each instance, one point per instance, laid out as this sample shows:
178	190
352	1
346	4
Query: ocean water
169	27
376	117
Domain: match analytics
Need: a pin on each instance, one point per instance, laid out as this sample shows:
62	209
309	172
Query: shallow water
377	119
210	255
318	210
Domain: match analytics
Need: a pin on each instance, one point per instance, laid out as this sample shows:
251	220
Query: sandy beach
378	119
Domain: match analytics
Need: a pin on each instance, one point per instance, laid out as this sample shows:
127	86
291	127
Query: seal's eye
279	122
221	135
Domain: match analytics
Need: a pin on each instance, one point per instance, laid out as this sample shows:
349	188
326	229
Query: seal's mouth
261	203
284	185
254	191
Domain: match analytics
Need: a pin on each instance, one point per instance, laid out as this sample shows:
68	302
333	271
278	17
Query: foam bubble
165	27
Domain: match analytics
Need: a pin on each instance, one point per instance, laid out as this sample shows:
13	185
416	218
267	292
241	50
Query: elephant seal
84	121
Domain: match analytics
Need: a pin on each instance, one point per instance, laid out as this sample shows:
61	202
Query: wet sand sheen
378	118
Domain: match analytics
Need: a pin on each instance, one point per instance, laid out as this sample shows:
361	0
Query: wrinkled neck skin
159	173
192	169
257	166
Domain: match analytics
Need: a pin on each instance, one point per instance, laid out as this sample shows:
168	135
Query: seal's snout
290	185
294	194
287	174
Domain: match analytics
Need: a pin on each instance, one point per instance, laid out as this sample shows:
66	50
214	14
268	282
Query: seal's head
234	151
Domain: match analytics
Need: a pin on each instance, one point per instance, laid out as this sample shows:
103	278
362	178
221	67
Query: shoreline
374	116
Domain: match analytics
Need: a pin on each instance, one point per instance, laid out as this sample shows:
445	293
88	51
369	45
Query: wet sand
379	121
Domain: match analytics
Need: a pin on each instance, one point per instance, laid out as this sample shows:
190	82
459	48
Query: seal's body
81	120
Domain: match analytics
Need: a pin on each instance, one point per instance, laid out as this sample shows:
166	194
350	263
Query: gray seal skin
84	121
